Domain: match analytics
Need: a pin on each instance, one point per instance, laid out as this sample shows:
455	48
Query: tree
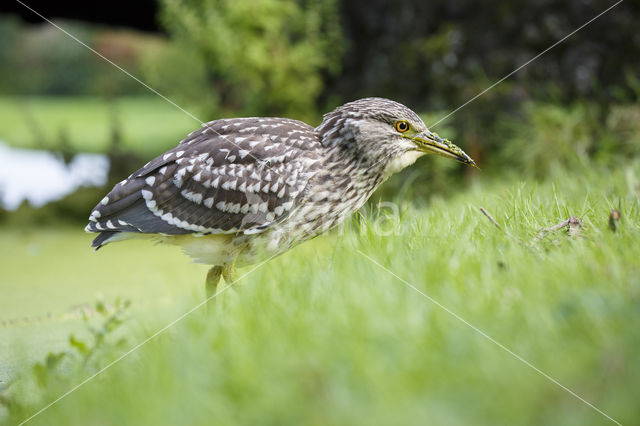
263	57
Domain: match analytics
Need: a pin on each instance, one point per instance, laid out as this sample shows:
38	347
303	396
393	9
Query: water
41	176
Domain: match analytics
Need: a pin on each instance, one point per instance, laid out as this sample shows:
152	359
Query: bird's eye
402	126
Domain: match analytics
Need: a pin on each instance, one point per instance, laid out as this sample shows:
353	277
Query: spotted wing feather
236	175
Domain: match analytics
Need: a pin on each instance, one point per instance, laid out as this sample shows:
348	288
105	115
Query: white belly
206	249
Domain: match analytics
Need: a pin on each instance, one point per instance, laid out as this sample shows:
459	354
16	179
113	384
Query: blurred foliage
300	57
575	136
181	74
264	56
440	53
50	63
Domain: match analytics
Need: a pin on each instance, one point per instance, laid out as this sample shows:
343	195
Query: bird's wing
235	175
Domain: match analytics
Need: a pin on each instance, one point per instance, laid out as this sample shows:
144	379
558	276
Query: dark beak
431	143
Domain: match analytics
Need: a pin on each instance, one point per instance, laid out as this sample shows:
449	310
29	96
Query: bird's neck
346	157
350	175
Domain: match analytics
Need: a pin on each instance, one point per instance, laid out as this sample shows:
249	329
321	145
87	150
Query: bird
240	190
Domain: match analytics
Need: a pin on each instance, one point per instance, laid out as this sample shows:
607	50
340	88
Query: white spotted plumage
257	183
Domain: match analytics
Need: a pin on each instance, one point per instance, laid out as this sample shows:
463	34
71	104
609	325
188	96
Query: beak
431	143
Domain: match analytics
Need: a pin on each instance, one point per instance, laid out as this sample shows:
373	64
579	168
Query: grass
149	125
44	288
321	335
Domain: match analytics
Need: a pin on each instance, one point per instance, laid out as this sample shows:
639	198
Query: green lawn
321	335
148	125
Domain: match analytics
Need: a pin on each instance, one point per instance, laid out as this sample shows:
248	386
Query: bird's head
379	131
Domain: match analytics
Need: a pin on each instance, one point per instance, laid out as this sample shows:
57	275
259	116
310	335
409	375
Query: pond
42	176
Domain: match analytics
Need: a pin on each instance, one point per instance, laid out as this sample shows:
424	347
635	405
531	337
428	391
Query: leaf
79	345
41	374
53	359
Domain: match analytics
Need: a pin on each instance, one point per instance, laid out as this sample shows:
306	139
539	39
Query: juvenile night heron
240	189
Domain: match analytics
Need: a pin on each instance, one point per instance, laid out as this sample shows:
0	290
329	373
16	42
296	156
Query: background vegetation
319	335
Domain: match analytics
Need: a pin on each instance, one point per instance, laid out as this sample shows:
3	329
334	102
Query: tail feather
103	238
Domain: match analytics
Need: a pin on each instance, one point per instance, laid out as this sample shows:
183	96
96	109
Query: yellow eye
402	126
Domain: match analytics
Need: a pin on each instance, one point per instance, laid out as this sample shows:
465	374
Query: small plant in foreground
85	353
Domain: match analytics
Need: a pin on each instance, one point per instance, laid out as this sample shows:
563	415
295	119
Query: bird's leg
229	273
213	278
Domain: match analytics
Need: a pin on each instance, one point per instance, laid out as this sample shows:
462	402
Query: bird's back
231	176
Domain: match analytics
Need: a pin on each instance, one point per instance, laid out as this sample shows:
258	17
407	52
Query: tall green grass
321	335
